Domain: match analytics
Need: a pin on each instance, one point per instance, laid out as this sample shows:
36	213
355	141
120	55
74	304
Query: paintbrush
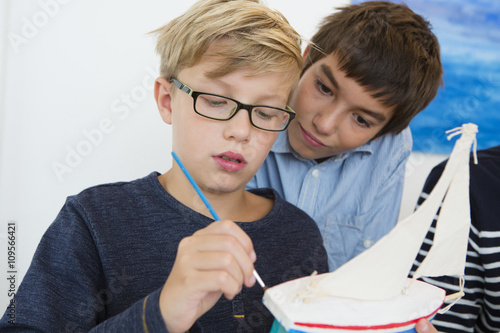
210	208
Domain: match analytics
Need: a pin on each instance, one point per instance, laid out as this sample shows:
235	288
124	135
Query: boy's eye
212	101
216	102
323	88
263	114
361	121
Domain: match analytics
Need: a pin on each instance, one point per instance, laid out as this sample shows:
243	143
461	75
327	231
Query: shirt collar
282	145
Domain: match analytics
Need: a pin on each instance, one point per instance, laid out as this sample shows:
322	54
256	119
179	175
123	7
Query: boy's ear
306	53
164	99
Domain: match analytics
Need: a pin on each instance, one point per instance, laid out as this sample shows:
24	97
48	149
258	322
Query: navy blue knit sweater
113	245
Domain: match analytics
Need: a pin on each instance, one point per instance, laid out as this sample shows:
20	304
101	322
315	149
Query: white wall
76	103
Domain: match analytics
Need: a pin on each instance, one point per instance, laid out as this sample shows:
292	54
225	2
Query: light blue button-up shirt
353	197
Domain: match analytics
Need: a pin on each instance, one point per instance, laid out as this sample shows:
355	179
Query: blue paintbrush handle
196	187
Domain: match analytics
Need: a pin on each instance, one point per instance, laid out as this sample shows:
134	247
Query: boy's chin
227	186
305	152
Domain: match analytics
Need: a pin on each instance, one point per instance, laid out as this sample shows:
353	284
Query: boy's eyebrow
329	74
380	117
265	96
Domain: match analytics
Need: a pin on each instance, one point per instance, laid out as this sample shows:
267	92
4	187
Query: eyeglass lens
218	107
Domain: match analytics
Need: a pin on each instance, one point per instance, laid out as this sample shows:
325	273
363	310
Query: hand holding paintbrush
210	208
214	261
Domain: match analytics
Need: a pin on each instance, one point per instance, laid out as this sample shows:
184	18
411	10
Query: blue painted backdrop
469	36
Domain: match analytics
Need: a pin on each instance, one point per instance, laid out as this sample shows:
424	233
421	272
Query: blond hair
253	37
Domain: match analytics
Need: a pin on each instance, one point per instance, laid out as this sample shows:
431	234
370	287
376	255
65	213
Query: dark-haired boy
370	69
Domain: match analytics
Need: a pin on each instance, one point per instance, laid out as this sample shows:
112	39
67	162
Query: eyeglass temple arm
182	86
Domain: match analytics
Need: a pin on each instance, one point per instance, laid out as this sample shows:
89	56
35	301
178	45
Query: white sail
381	272
448	253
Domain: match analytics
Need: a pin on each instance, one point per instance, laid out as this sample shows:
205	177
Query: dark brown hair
389	50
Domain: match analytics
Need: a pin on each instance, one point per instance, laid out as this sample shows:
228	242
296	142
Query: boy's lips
311	139
230	161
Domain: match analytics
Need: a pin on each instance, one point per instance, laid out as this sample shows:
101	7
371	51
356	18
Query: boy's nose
239	127
327	120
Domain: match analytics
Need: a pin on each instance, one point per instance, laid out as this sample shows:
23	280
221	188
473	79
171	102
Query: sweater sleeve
65	288
143	316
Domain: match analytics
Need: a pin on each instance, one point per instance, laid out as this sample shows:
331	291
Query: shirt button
315	173
367	243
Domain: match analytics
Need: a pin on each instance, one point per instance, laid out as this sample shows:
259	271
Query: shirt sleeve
61	289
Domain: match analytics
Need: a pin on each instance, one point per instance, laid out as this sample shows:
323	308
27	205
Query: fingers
213	282
223	247
229	249
227	227
424	326
215	258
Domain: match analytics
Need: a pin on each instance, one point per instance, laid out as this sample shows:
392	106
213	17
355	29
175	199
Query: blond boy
145	255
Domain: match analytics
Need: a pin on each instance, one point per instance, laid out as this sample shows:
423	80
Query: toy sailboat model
372	292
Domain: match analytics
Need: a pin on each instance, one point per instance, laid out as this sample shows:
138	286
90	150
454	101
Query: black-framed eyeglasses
217	107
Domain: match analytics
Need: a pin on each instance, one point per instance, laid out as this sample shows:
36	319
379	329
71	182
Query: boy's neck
321	160
239	206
